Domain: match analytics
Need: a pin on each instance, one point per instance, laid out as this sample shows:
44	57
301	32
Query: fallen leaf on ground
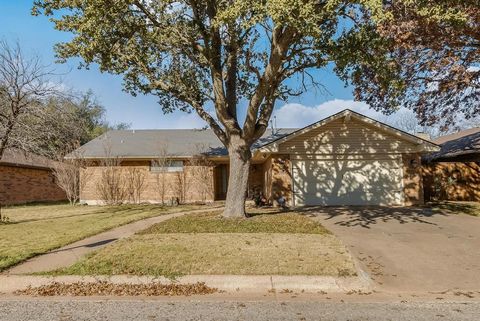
104	288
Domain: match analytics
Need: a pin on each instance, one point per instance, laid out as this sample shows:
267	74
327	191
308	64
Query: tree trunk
4	140
240	155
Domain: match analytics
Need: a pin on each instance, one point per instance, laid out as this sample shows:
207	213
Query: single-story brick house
345	159
26	178
453	173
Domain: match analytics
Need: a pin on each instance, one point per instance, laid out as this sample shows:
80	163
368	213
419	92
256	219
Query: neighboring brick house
453	173
26	178
345	159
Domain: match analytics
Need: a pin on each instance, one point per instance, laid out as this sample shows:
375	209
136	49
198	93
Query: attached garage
348	159
347	182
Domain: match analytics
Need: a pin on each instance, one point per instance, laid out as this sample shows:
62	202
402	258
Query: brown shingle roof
146	143
463	143
19	158
460	134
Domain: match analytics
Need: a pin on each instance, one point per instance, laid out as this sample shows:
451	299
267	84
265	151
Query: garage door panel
347	182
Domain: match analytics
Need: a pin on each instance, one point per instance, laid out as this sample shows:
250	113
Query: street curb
228	283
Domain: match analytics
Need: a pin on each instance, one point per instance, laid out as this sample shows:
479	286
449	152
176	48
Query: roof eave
140	157
426	146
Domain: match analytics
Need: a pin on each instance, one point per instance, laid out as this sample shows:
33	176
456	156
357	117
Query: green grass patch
260	222
37	229
467	208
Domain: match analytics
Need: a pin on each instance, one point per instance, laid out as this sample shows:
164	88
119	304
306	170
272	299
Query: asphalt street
80	310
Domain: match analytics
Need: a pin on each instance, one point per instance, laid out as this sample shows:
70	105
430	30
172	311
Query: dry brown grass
220	253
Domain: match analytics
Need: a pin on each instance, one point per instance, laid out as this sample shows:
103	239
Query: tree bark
5	138
240	156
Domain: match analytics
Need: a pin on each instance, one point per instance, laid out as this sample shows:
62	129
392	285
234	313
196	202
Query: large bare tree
24	88
217	56
37	113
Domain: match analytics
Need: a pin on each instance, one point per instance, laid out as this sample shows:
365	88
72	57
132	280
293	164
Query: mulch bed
105	288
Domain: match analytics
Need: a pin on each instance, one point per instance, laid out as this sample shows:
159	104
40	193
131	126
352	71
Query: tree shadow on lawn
469	208
253	211
365	216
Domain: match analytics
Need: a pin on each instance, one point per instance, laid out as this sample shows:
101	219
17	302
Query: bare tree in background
135	184
111	186
201	179
24	87
67	176
408	121
178	186
161	165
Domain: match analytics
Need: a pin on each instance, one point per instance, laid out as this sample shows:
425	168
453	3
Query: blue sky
37	35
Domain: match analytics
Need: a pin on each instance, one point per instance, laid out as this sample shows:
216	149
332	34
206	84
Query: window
167	166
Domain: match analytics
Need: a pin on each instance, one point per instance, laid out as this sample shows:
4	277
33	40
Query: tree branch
221	108
281	40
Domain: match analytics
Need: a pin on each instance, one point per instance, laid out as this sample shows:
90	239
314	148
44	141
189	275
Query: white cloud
287	116
297	115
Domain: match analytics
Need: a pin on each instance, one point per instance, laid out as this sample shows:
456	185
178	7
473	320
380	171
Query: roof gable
421	145
184	143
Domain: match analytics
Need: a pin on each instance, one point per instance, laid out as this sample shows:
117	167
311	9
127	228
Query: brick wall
23	185
454	181
255	180
412	179
194	184
278	178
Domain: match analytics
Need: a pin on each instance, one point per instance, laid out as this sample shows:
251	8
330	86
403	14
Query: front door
221	182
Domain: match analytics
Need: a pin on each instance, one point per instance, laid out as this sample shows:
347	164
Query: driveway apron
409	249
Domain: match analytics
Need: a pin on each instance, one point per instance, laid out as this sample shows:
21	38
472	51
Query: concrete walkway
68	255
228	283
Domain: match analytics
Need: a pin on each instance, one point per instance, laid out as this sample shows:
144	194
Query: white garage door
347	182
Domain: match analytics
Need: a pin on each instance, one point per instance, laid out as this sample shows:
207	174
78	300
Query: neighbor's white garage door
347	182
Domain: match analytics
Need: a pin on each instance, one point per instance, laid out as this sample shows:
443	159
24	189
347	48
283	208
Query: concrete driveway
410	249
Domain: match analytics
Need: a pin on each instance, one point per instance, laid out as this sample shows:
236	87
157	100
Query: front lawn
37	229
468	208
269	244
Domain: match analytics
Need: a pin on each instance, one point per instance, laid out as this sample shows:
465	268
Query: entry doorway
221	181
